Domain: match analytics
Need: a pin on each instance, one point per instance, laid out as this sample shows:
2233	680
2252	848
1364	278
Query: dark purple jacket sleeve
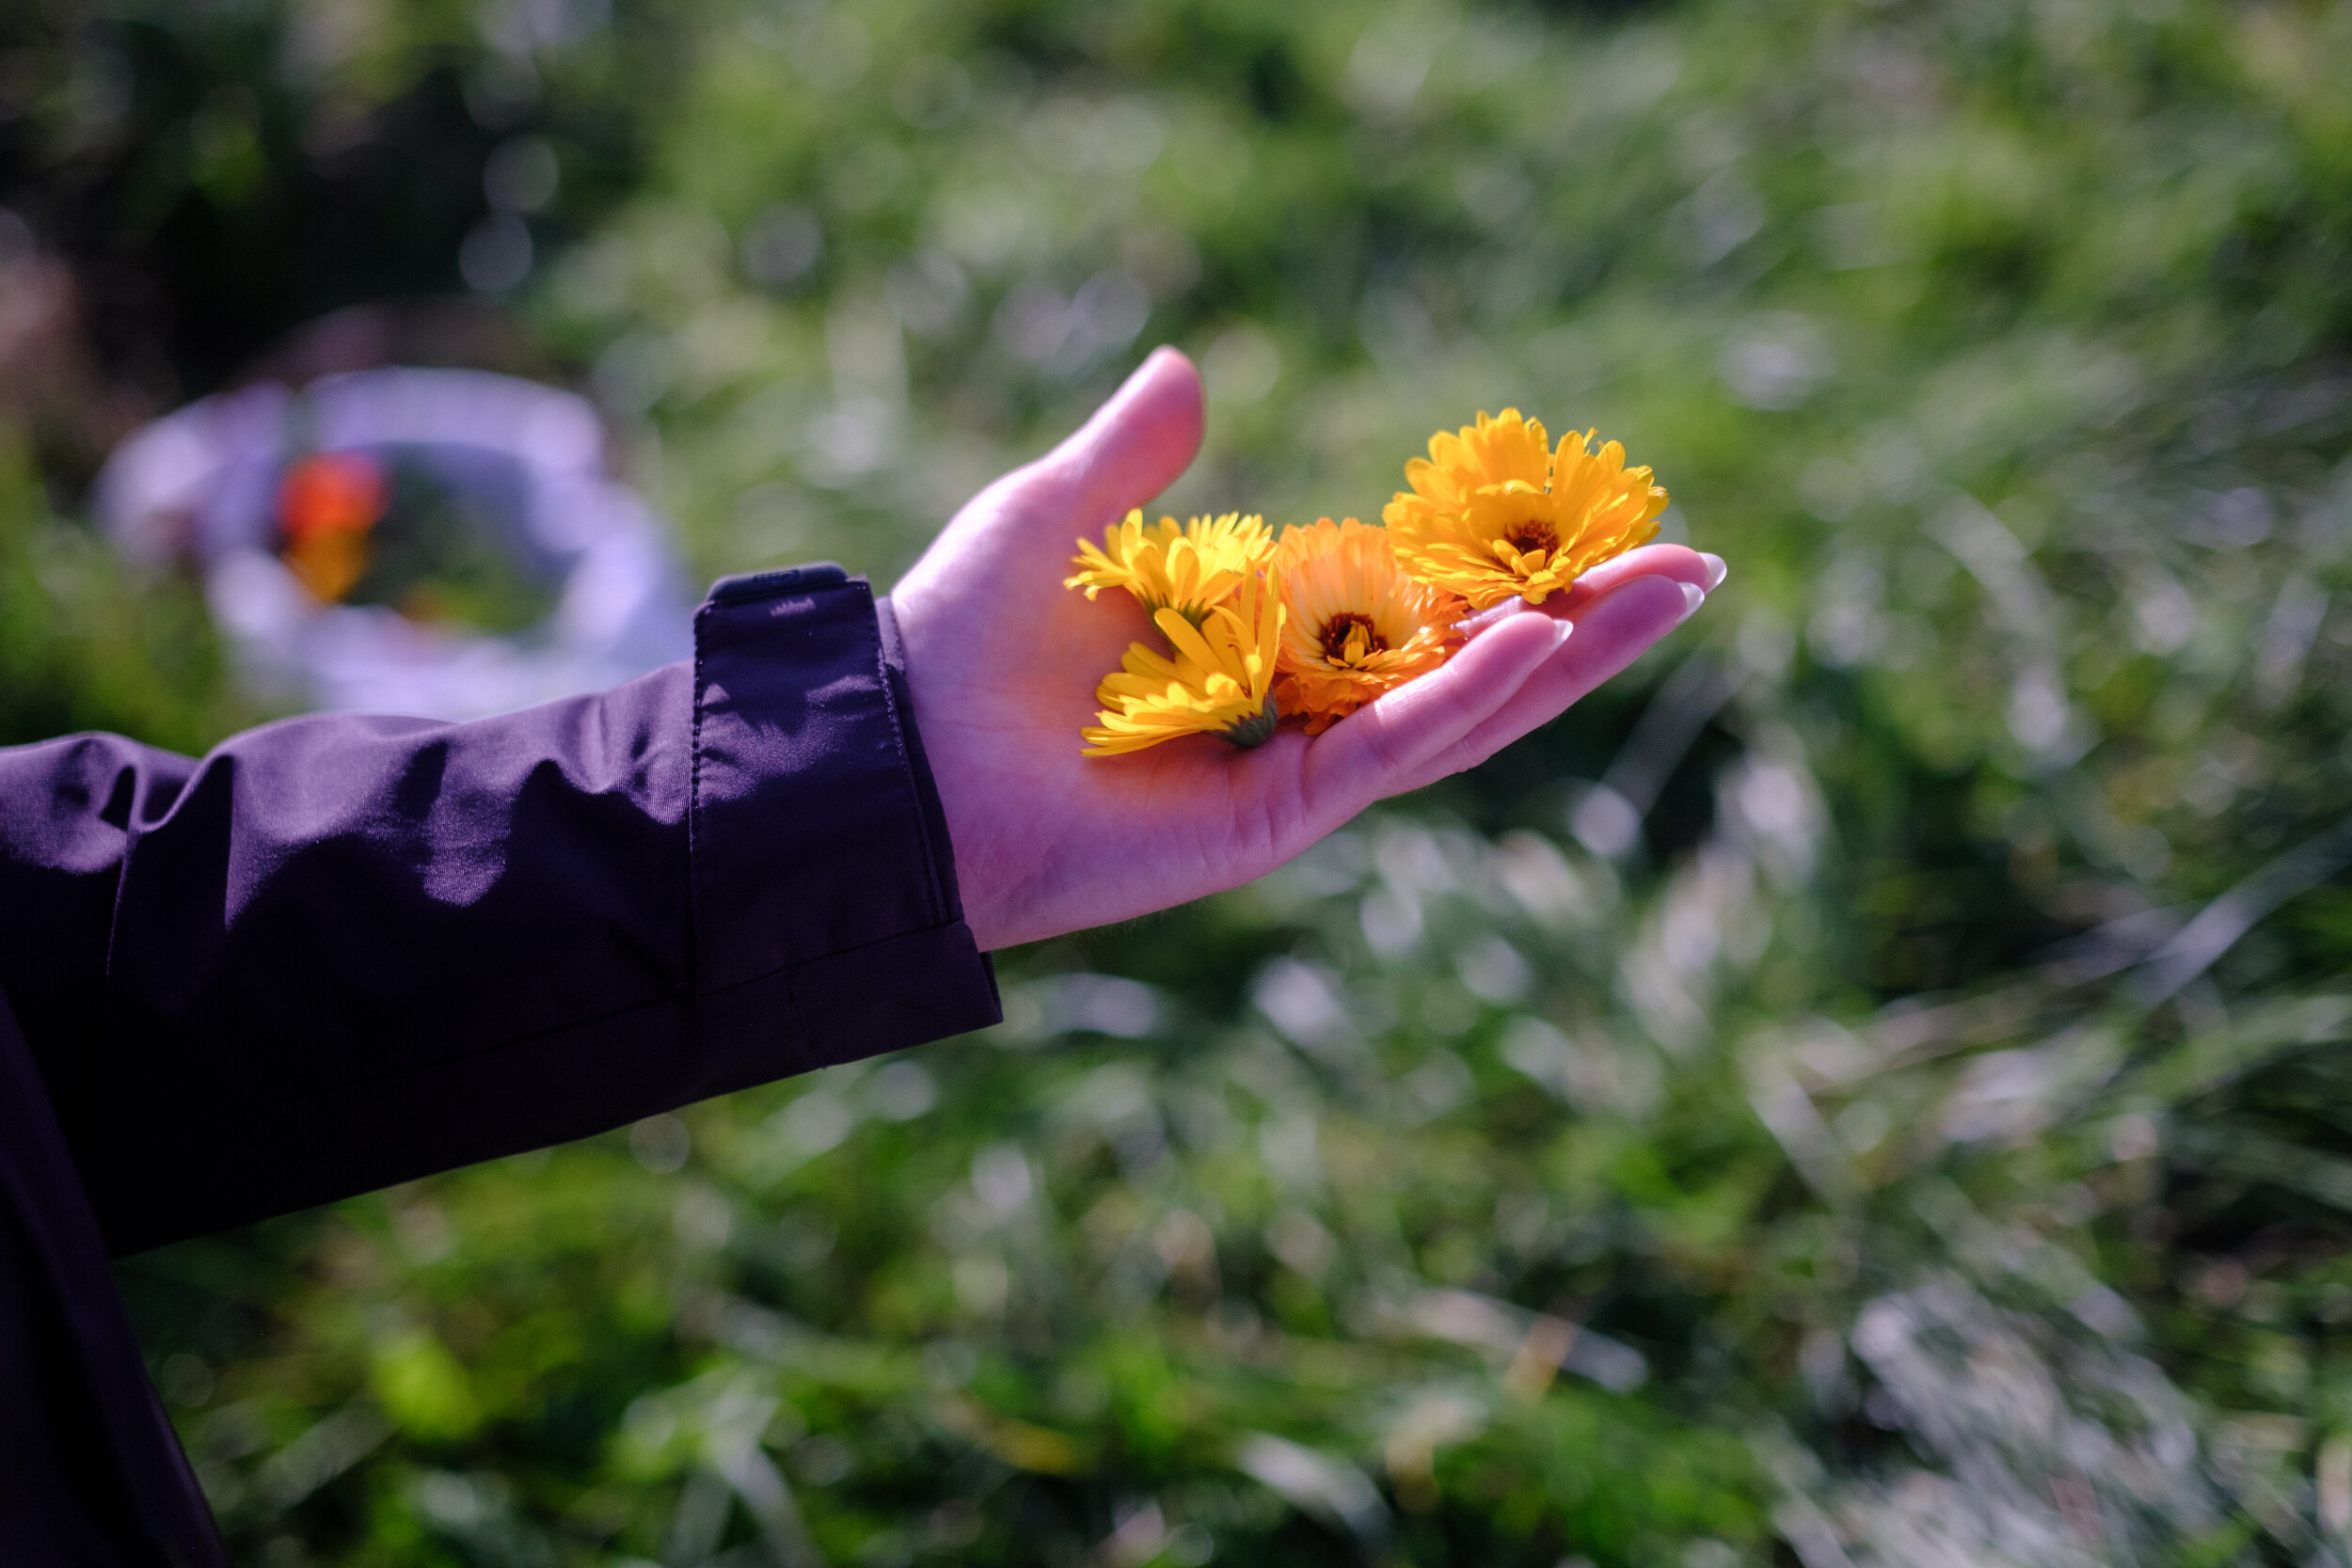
339	952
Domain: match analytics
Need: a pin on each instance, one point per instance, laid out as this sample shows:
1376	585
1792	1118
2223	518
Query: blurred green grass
1790	1110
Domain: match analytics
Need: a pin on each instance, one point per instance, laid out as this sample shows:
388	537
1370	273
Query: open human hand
1003	662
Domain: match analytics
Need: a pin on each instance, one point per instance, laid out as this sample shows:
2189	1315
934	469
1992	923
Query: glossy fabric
339	952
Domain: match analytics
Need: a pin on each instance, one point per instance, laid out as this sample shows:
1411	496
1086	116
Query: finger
1701	570
1135	447
1373	751
1612	631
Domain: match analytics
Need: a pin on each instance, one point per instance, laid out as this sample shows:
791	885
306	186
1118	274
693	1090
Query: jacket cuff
821	868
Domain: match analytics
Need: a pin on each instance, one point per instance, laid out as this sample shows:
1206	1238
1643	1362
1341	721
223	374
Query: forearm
345	951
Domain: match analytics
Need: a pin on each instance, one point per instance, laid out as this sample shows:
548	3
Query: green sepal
1256	730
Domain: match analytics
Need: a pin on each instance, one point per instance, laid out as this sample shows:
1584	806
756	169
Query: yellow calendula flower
1185	568
1220	681
1494	510
1354	625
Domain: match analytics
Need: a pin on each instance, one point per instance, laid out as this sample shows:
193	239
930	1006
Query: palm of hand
1003	662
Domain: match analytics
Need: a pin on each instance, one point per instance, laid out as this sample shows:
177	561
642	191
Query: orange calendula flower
1494	510
1354	625
1186	569
327	504
1219	682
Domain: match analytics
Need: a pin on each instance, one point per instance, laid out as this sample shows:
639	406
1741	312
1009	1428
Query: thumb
1020	528
1133	447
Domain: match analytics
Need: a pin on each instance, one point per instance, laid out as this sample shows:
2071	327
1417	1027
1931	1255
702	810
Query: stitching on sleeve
693	818
938	895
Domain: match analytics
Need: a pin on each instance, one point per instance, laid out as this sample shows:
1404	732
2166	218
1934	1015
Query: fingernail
1691	599
1716	570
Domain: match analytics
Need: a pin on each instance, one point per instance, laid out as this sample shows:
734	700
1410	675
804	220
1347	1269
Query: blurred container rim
199	486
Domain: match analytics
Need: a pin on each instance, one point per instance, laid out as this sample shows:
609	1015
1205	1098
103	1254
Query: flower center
1350	638
1531	535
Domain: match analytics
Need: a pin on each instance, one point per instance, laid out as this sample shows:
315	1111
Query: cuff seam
797	964
882	639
